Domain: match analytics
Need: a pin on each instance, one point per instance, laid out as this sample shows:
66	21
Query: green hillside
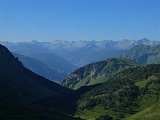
129	94
96	73
150	113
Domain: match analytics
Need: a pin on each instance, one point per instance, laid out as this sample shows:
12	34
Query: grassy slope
96	112
150	113
148	102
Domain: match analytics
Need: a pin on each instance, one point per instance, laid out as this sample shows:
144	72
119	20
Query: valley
111	89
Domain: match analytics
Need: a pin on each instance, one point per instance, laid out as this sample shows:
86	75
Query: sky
47	20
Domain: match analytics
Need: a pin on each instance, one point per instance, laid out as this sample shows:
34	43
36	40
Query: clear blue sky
45	20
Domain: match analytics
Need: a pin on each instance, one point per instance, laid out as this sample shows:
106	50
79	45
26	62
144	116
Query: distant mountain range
78	53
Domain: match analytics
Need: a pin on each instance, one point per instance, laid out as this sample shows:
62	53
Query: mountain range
55	59
109	89
78	53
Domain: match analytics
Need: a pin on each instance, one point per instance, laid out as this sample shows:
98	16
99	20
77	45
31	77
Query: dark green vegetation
96	73
28	112
144	54
131	94
20	89
40	68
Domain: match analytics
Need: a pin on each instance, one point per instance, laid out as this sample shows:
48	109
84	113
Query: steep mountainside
18	79
40	68
144	54
133	94
19	88
95	73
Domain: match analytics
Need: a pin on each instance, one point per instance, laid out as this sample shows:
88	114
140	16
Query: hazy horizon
76	40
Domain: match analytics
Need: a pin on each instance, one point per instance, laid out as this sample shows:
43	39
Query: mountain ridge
40	68
96	73
143	54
